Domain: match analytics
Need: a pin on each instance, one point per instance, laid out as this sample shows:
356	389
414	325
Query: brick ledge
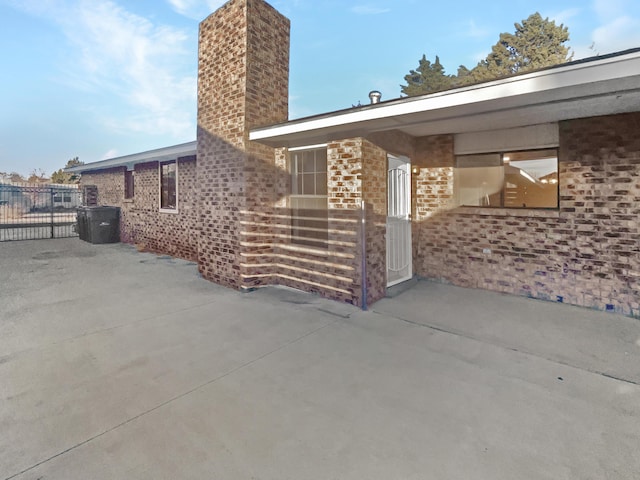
508	212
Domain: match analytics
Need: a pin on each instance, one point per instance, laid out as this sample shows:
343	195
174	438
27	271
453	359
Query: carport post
363	253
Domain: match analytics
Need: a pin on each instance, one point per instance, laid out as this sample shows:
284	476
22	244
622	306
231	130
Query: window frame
165	209
319	236
129	184
505	161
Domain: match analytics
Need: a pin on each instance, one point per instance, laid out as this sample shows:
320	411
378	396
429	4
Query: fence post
52	199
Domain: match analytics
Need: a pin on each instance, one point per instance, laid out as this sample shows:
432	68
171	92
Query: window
168	186
525	179
128	184
62	197
308	200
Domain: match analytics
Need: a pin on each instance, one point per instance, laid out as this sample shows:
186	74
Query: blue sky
103	78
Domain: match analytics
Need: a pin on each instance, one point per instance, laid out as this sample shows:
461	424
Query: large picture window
168	186
308	199
524	179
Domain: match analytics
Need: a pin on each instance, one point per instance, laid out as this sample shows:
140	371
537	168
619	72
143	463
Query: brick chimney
243	82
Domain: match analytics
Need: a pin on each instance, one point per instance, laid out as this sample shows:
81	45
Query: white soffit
521	138
595	87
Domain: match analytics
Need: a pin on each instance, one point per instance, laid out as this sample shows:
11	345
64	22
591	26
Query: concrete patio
117	364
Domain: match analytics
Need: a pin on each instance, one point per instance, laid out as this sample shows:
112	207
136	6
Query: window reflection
524	179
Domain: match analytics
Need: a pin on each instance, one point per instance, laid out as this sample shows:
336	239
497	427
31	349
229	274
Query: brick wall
245	240
587	253
344	198
141	222
239	216
335	271
243	47
327	271
374	188
432	190
109	183
600	195
234	216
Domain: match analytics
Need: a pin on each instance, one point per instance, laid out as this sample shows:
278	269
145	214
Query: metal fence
33	211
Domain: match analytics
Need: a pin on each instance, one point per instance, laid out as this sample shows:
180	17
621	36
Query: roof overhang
158	155
598	86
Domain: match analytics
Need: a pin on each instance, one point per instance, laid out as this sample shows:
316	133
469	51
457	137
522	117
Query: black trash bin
81	225
102	224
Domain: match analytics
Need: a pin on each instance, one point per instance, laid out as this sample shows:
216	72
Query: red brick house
528	185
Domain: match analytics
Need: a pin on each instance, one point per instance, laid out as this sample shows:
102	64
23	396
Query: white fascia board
474	99
158	155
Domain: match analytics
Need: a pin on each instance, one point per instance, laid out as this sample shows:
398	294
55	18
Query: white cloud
145	66
617	29
137	61
564	15
619	34
196	9
609	9
369	10
112	153
471	29
36	7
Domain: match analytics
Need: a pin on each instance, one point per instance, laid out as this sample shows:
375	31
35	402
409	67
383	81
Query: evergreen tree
536	43
462	78
61	176
427	78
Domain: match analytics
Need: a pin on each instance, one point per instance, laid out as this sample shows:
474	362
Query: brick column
374	191
344	194
357	172
243	76
599	198
432	195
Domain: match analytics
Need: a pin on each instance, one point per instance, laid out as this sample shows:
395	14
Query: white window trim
308	147
319	146
168	210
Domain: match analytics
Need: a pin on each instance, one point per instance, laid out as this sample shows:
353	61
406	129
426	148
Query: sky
98	79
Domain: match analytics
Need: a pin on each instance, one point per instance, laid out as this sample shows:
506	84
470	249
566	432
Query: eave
592	87
158	155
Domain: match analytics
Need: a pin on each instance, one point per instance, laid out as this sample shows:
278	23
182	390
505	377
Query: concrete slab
600	342
117	364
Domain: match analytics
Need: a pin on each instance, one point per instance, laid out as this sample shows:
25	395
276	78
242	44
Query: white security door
399	256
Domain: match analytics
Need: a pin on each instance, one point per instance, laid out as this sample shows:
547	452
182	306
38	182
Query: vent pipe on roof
375	97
